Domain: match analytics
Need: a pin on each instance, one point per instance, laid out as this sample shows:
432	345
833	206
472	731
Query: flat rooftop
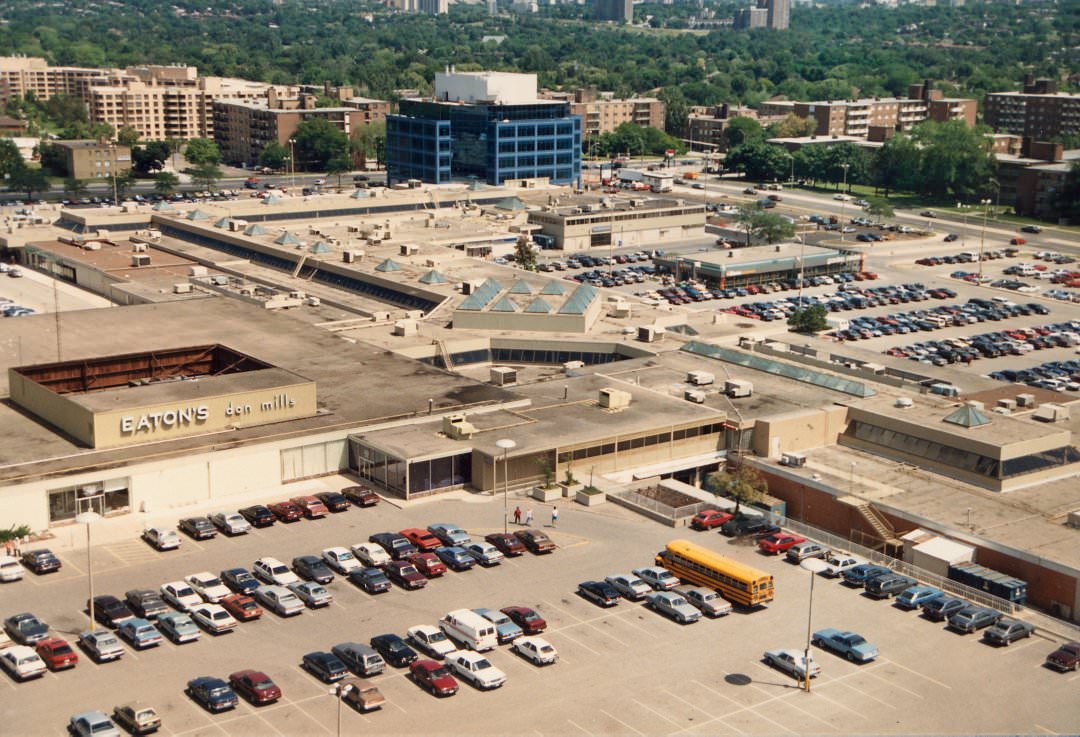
757	255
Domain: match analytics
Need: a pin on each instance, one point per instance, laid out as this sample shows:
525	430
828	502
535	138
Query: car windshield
439	672
211	582
344	555
146	714
184	591
436	637
278	570
546	648
266	683
316	590
219	691
482	663
220	615
409	570
104	726
497	617
243	576
61	649
533	616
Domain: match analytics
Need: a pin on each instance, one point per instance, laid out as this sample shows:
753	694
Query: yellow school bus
739	583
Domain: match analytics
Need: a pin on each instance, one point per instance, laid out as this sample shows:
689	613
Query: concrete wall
58	411
797	431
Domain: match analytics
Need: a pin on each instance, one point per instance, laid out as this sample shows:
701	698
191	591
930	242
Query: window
102	497
317	459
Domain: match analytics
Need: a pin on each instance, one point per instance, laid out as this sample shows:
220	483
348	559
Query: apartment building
708	123
857	117
22	75
774	14
94	159
620	11
601	112
1037	111
243	127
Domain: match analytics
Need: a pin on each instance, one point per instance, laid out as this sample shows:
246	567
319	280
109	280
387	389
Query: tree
10	158
202	151
896	164
273	156
747	217
340	164
206	175
879	208
759	161
317	141
742	130
74	187
773	227
792	126
120	183
151	157
953	160
741	483
524	255
127	136
28	179
810	320
368	142
676	111
165	182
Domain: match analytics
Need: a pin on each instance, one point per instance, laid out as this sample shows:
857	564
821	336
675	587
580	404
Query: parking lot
624	671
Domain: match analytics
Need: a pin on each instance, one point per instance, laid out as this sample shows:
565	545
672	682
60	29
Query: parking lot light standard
88	518
842	203
814	566
982	240
507	445
340	691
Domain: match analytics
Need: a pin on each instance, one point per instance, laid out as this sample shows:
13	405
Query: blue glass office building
438	141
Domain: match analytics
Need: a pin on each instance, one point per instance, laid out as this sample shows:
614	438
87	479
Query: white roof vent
902	403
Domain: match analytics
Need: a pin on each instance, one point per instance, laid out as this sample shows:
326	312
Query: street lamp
507	445
843	202
88	518
963	209
815	566
339	692
292	163
982	239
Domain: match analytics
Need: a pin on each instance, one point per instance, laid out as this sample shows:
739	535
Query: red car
361	496
434	677
404	574
311	506
244	608
422	539
255	686
428	564
286	511
709	518
778	542
1017	241
507	544
57	653
525	618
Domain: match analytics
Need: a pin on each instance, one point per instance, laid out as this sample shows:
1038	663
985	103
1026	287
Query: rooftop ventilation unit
140	259
615	399
903	403
1025	400
456	427
795	460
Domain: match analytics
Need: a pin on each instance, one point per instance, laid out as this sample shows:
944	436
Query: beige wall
799	431
76	421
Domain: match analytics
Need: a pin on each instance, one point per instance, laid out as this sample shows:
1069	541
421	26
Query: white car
213	618
371	554
842	197
180	595
341	560
208	586
661	579
22	662
630	586
837	563
10	569
431	640
279	600
273	571
231	523
162	538
536	649
485	554
674	605
476	669
792	662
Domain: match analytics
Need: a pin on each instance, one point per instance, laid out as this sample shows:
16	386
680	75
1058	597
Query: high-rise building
601	112
620	11
486	125
747	18
20	75
779	12
764	14
1037	111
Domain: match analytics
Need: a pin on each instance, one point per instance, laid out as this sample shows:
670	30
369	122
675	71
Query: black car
599	592
312	568
26	629
371	580
943	608
398	546
748	525
258	515
239	580
394	650
146	603
198	528
325	666
40	561
1031	229
110	611
213	694
951	237
335	501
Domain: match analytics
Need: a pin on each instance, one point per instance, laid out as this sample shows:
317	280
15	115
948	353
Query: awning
659	469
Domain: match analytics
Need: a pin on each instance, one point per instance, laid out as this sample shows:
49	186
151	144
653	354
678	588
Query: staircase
445	355
883	530
299	264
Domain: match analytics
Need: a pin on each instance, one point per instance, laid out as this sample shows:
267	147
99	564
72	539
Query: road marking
865	694
893	684
1045	729
920	675
834	702
571	721
579	642
620	721
665	718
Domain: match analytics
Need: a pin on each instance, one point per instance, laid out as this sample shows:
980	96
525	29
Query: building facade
20	75
601	112
486	125
94	159
620	11
772	14
1038	111
858	117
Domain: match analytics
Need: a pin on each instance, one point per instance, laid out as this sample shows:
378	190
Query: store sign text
166	419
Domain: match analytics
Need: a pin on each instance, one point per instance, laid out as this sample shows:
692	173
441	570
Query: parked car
506	543
779	542
341	560
258	515
973	618
273	571
1006	631
526	618
707	519
422	539
708	601
361	659
311	506
748	525
242	607
208	586
213	694
213	618
428	564
394	650
361	695
851	645
599	592
914	597
858	575
804	550
178	627
942	608
146	603
26	629
1065	658
476	669
661	579
161	538
136	718
56	653
92	724
324	666
398	546
536	650
311	593
231	523
239	580
286	511
371	580
279	600
837	563
431	640
255	686
140	633
506	630
404	574
10	569
484	553
888	585
629	586
434	677
674	606
456	558
312	568
334	501
101	645
371	554
535	541
792	662
198	528
450	534
361	496
40	561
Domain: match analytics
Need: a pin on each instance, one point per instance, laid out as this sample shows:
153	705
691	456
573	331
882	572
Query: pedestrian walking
554	516
528	517
517	515
9	547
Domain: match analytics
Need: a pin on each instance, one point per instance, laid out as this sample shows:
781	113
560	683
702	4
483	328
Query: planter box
570	490
546	495
590	500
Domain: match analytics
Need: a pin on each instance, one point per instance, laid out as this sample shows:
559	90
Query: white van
469	629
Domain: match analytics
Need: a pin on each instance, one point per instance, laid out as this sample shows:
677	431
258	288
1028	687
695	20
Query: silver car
674	605
708	601
629	585
279	600
313	594
485	554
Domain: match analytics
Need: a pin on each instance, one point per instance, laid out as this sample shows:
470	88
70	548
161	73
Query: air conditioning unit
795	460
700	378
140	259
902	403
503	375
181	288
692	395
1009	404
1025	400
650	334
614	398
456	427
139	248
196	271
409	249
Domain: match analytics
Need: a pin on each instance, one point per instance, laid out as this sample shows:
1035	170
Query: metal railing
657	507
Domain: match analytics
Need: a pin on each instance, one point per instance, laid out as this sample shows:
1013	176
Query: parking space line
1015	648
665	718
864	693
1046	729
571	721
793	706
10	684
1073	678
578	642
893	684
920	675
680	698
859	714
620	721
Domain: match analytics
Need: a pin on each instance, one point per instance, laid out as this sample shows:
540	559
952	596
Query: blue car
456	558
240	580
860	574
914	597
213	694
851	645
371	580
505	629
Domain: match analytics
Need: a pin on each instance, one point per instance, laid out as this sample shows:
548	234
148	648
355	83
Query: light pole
507	445
815	566
964	212
982	239
843	202
339	692
88	518
292	164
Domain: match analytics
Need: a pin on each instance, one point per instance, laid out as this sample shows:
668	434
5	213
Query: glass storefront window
103	497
